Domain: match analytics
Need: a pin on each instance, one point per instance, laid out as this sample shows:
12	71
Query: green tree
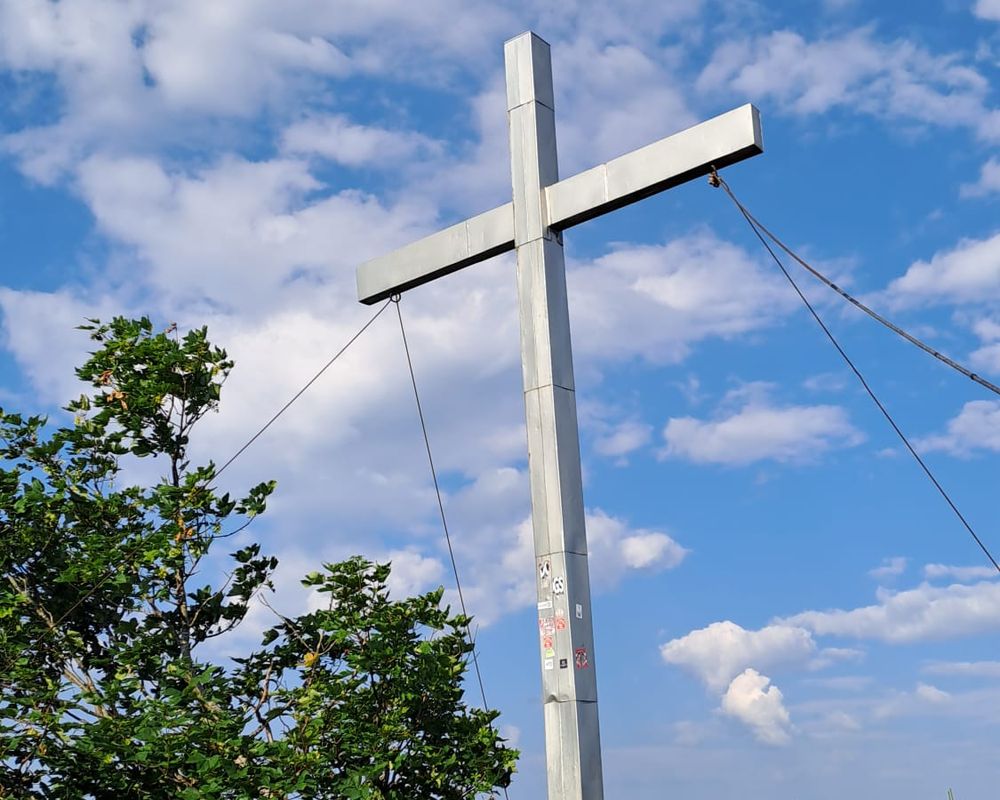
105	691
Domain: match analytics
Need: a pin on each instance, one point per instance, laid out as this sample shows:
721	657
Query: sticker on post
580	658
546	641
579	611
560	623
563	663
545	569
558	585
549	652
544	604
548	663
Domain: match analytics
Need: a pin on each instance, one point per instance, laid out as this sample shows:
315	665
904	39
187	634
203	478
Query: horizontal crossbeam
684	156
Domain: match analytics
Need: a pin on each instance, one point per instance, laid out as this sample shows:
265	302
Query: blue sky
783	606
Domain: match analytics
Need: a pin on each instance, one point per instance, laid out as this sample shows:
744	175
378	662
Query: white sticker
559	585
549	663
579	611
544	604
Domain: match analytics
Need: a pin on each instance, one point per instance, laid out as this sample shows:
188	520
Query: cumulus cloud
987	357
717	653
756	703
624	438
961	574
494	545
922	699
232	234
977	427
891	568
413	572
760	432
971	669
987	183
499	577
39	329
336	138
141	76
835	655
924	613
670	296
969	272
987	9
889	80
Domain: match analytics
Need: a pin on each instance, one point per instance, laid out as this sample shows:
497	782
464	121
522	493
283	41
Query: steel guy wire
718	181
440	503
968	373
129	553
303	390
437	492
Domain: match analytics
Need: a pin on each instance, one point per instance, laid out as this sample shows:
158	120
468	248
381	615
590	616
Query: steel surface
541	208
721	141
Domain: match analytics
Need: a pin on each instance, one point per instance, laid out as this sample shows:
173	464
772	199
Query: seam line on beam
553	384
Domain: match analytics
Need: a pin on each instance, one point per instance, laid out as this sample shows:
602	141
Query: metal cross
532	224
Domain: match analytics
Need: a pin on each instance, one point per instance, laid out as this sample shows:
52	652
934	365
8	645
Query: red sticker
546	641
580	657
560	624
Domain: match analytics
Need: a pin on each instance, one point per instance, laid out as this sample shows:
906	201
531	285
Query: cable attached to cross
395	298
759	230
715	180
141	543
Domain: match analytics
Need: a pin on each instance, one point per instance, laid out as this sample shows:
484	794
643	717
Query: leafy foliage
105	690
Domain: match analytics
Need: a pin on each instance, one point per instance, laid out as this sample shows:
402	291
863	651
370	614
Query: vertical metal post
569	684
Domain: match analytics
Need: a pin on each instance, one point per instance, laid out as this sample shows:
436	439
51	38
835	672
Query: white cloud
616	547
967	273
924	613
972	669
39	329
137	76
336	138
413	573
231	235
494	546
619	98
890	80
835	655
670	296
961	574
722	650
623	438
922	699
760	432
987	9
987	358
977	427
930	693
753	701
988	182
891	567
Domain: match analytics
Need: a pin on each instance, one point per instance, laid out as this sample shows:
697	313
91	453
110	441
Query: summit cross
532	224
